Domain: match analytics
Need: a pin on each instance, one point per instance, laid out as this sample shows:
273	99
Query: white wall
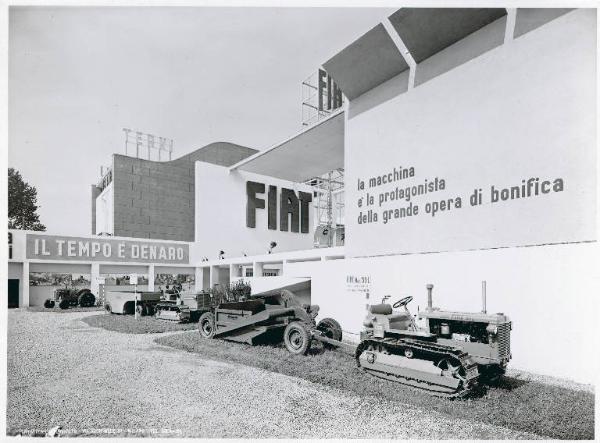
549	292
105	210
19	245
221	215
524	109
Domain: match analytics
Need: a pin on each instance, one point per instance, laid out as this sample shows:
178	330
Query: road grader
270	318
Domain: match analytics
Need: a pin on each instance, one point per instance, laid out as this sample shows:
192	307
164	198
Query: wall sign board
54	247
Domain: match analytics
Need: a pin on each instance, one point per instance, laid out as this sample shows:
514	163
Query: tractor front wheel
140	310
297	338
206	325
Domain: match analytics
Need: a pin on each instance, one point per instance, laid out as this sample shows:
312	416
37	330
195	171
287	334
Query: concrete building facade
155	200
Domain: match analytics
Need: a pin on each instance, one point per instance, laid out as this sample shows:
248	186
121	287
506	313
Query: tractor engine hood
478	317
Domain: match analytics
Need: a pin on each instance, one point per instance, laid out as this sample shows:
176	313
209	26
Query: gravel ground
94	382
71	309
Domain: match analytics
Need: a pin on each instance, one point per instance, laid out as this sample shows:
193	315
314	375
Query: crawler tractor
447	357
183	306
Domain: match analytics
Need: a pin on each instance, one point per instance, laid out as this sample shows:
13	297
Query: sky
79	75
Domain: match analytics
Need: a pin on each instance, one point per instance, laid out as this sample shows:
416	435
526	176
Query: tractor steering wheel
403	302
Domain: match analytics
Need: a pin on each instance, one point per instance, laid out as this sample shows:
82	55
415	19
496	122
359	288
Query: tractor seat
385	313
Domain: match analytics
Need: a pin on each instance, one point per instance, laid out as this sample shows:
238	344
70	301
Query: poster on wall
359	285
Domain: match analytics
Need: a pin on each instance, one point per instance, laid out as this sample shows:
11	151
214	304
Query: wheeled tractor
68	297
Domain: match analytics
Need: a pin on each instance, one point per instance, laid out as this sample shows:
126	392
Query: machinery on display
172	311
171	305
486	337
127	302
198	303
183	307
67	297
452	354
448	357
270	318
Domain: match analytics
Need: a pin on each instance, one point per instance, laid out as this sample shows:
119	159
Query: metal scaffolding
328	203
316	101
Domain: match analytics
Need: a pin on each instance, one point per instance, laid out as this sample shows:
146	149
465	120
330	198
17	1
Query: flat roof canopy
374	57
310	153
366	63
427	31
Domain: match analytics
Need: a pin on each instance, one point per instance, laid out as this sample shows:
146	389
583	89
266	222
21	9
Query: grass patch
57	310
548	411
129	325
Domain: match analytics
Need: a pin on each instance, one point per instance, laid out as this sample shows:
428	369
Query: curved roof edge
219	153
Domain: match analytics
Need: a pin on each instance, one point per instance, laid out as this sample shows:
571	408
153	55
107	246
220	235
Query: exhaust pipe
483	298
429	297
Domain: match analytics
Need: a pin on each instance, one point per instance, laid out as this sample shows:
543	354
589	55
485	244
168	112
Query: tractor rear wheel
206	325
330	329
297	338
86	299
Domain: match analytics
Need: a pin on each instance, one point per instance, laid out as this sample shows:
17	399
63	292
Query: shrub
238	291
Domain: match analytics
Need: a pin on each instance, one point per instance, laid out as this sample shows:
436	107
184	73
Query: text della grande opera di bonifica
412	197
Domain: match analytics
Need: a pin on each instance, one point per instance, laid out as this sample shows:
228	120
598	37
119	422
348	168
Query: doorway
13	292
